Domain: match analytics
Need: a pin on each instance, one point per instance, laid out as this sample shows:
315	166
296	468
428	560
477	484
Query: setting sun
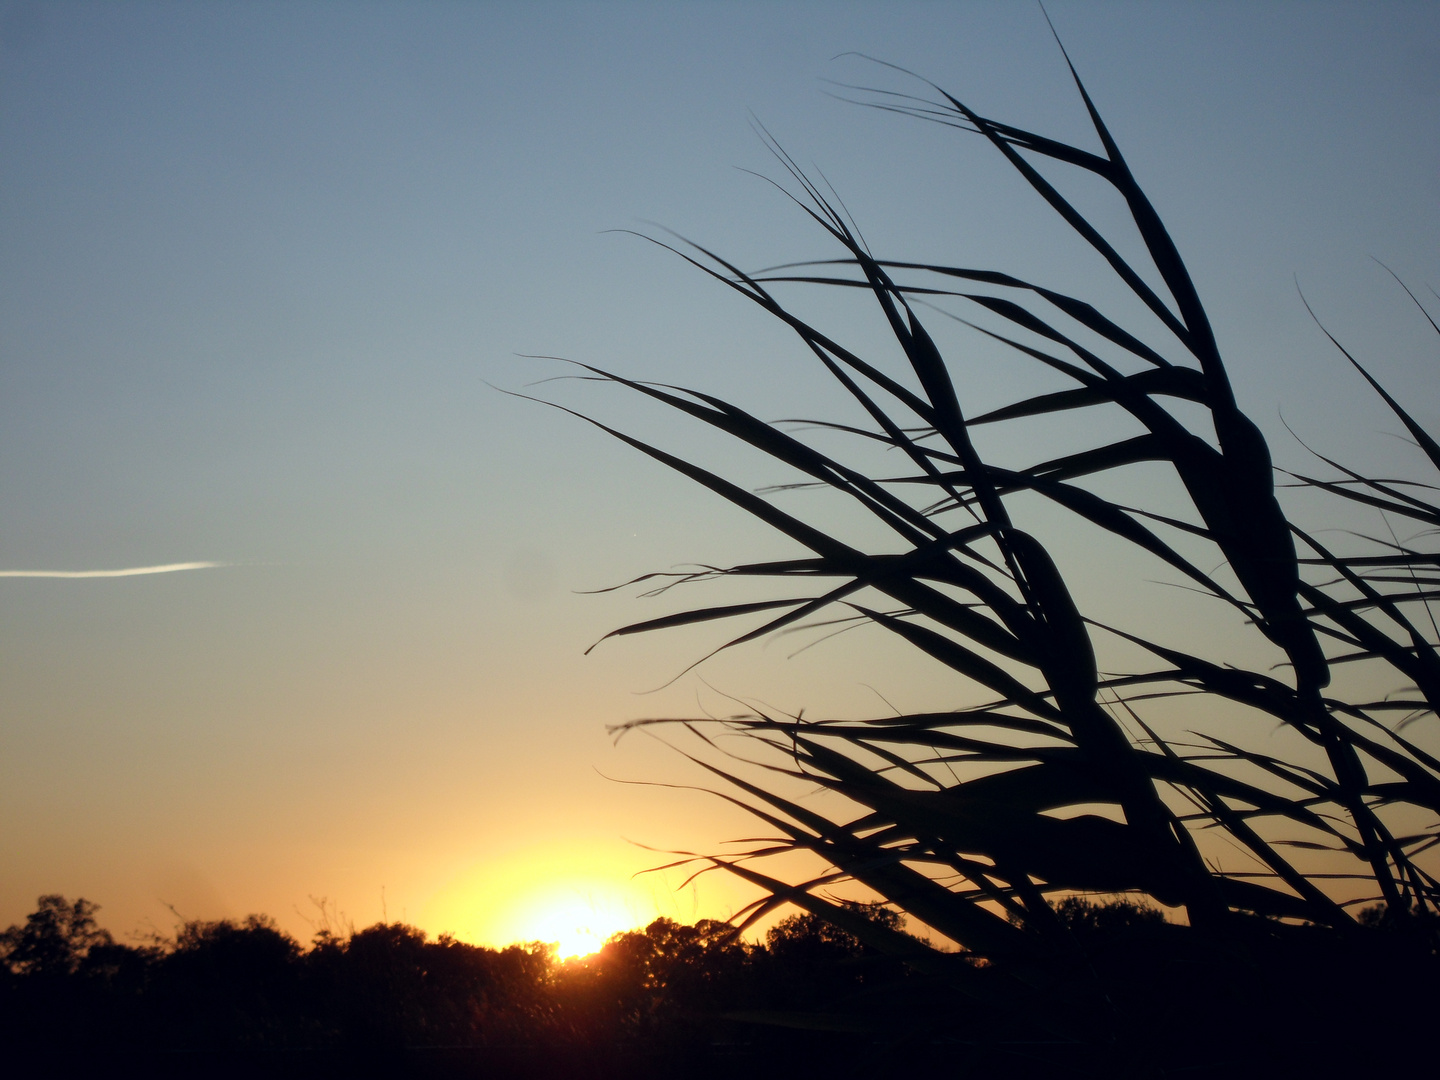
570	895
575	914
576	922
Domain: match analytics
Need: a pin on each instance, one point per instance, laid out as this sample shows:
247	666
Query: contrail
168	568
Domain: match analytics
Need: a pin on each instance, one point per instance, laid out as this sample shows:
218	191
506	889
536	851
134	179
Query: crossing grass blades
975	822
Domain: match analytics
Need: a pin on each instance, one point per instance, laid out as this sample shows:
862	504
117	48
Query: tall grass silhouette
975	821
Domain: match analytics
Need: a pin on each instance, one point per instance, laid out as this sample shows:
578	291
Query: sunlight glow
572	896
577	923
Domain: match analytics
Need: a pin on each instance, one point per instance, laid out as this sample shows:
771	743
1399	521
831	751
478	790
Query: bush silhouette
221	990
229	984
56	939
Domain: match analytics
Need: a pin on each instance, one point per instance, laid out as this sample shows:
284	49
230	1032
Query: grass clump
1058	780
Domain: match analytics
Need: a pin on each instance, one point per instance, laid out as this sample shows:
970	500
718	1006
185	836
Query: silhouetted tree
65	983
809	961
670	980
389	986
1085	917
55	939
229	984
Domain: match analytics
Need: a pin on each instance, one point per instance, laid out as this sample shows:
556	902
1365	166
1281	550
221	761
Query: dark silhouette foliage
230	983
1058	772
1086	917
237	992
56	939
241	998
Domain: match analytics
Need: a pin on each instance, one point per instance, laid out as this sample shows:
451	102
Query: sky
267	271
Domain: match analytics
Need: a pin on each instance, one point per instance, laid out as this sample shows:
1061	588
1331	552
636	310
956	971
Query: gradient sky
260	263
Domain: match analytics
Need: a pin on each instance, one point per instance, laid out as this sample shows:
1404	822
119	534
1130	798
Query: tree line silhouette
228	990
237	997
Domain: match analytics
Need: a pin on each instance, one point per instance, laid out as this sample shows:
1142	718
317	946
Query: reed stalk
974	821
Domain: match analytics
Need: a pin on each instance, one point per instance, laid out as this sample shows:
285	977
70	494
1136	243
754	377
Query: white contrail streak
133	571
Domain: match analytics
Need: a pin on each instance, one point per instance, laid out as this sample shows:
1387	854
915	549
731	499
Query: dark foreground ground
839	1058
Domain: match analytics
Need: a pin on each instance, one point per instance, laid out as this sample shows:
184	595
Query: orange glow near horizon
572	900
575	914
576	922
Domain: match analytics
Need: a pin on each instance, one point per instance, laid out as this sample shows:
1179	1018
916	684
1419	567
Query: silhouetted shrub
55	939
1085	917
230	984
388	986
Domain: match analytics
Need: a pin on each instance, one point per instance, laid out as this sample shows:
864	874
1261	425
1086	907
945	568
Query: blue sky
262	264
